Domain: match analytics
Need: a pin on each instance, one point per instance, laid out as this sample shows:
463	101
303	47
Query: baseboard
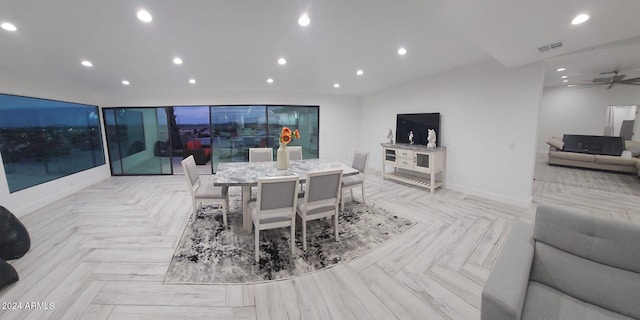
520	203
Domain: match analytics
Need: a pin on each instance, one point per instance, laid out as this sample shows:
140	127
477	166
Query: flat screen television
418	123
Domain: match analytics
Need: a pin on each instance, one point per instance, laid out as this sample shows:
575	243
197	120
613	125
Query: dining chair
275	207
202	193
321	198
260	154
295	152
360	160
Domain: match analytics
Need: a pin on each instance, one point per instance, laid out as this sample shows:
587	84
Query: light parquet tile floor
102	254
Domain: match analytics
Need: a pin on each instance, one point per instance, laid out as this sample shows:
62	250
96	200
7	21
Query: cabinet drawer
406	163
404	153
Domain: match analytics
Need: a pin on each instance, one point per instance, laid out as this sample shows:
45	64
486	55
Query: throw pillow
635	151
555	143
8	274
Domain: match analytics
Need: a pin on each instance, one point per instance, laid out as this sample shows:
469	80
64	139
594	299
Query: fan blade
602	80
619	77
631	80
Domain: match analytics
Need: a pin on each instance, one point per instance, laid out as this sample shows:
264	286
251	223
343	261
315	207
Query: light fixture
563	77
561	69
144	16
360	72
304	20
336	85
125	82
282	61
269	80
177	60
571	85
402	51
192	81
565	80
87	63
8	26
581	18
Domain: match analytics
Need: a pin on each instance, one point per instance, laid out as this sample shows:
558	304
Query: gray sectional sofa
568	266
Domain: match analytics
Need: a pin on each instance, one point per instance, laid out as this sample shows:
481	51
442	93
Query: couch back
592	259
193	144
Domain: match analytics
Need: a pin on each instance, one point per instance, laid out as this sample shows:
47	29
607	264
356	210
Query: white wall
339	115
25	201
580	110
488	124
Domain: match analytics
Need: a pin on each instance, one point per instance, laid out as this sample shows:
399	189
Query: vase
283	157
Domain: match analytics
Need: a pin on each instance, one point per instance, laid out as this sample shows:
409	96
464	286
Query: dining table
246	175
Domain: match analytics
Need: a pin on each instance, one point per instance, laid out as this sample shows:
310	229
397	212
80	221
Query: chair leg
362	186
335	225
257	244
293	235
342	200
304	234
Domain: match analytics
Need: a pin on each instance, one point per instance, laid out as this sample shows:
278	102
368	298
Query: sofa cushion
602	240
572	156
620	161
544	303
194	144
592	282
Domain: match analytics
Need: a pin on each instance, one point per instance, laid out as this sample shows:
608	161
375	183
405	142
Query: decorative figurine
410	137
431	138
389	136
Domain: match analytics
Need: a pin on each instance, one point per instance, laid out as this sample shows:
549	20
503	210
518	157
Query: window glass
303	118
235	130
42	140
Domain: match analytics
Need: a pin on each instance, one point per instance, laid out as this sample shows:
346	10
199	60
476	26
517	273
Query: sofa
194	148
631	164
569	265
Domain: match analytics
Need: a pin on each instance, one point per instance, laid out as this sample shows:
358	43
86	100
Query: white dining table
246	175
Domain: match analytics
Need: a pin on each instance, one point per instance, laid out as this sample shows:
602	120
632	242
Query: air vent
548	47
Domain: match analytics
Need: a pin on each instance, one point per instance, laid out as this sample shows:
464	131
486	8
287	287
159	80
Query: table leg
246	196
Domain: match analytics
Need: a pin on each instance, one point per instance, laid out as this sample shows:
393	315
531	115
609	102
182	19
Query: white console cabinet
414	164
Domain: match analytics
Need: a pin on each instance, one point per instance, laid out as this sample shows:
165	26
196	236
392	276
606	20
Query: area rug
210	253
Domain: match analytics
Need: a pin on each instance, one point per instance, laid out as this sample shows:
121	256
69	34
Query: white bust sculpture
389	135
431	138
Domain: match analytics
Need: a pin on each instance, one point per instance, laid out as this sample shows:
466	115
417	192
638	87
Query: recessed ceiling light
8	26
402	51
580	19
144	16
177	60
563	77
304	20
565	80
269	80
336	85
282	61
125	82
561	69
360	72
192	81
571	85
86	63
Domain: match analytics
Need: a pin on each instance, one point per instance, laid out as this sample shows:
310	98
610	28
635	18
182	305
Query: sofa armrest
504	293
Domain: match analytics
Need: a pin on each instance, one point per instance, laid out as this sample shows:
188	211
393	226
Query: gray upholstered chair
204	192
275	207
321	197
568	266
295	153
260	154
360	159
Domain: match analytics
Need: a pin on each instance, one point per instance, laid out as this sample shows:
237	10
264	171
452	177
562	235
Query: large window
42	140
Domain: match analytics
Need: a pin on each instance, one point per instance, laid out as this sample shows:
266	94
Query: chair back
360	159
323	186
277	193
191	173
295	153
260	154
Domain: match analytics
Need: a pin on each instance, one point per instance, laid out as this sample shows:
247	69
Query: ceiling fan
617	78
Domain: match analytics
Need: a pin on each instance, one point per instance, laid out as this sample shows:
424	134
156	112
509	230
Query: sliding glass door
236	129
138	141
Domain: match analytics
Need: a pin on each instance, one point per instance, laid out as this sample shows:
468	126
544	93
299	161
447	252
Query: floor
102	254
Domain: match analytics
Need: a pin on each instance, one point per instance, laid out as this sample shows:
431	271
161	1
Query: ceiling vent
549	47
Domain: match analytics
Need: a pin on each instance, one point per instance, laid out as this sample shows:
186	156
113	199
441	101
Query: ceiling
234	45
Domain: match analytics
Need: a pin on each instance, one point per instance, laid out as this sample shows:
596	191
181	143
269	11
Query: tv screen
418	123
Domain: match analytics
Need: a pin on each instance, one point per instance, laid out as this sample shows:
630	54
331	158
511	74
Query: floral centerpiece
286	136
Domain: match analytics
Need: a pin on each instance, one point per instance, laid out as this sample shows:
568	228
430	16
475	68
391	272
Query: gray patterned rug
209	253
